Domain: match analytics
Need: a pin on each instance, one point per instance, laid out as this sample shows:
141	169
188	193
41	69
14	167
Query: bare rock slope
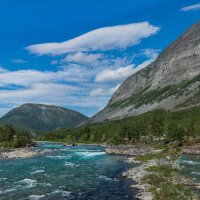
171	82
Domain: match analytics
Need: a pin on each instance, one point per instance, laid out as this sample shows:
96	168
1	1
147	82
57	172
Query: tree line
154	127
10	137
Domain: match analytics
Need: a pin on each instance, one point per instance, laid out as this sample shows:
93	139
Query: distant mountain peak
41	117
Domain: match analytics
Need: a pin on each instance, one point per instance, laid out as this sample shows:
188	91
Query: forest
153	127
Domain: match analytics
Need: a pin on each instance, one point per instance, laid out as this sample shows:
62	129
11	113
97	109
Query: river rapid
82	172
74	173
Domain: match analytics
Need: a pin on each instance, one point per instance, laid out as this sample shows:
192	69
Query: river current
74	173
82	172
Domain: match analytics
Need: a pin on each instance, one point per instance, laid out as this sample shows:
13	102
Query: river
74	173
82	172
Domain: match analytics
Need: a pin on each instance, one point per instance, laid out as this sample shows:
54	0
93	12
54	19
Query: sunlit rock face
171	82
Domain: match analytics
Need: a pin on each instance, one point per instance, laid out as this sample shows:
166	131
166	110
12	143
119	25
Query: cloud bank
191	7
82	58
106	38
85	74
109	75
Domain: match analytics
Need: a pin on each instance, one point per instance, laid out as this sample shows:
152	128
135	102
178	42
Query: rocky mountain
171	82
38	117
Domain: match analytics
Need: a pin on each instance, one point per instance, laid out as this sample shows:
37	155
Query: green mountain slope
38	117
155	127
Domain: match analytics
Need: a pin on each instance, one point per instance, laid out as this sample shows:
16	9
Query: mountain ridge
41	117
157	86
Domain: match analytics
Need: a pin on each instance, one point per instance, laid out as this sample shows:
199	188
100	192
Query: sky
76	53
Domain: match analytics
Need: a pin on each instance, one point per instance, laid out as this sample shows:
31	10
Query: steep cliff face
171	82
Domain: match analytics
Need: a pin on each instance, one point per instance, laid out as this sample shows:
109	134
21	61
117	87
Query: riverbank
131	150
158	174
140	149
27	152
19	153
30	152
191	150
81	172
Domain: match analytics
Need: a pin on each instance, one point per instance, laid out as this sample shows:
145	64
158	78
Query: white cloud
106	38
82	58
32	86
97	92
50	87
104	92
26	78
2	69
191	7
78	71
52	94
71	85
151	53
118	75
18	61
54	62
38	90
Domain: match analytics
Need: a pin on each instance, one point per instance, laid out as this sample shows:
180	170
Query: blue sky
75	53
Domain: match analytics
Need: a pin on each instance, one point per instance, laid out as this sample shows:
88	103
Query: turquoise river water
74	173
82	172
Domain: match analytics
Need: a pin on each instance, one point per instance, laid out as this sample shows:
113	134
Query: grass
170	191
147	157
165	170
167	190
162	185
165	151
161	178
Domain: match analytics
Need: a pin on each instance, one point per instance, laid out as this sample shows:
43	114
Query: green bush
157	127
22	138
7	133
9	137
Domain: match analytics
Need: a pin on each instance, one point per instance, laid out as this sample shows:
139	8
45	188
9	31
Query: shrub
9	137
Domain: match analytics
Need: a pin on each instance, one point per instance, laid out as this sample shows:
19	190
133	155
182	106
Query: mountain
38	117
171	82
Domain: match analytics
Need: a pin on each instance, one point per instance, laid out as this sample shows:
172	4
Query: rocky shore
27	151
131	150
137	174
193	149
141	172
19	153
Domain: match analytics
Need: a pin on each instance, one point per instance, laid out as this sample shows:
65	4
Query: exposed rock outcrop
19	153
132	150
171	82
193	149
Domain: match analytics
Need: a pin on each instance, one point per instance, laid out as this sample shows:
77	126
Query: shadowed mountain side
38	117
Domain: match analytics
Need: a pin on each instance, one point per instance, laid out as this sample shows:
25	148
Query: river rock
145	196
19	153
194	149
132	150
